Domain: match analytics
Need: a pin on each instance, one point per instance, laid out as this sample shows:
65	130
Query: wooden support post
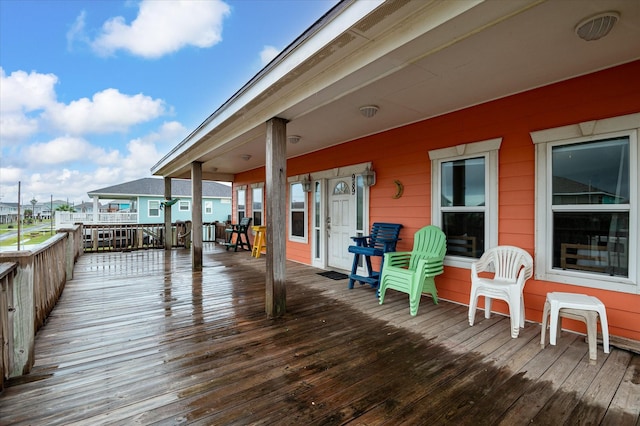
196	216
276	184
167	214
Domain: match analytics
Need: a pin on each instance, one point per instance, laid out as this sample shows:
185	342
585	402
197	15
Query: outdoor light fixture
294	139
246	157
369	110
306	183
369	177
597	26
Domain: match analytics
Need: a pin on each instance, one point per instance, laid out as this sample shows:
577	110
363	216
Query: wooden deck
138	338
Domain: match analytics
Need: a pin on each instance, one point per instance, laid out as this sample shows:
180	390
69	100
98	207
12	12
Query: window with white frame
465	198
154	208
297	212
587	211
183	206
208	207
256	205
241	203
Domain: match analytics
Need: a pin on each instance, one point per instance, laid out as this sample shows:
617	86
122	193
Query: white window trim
208	207
155	208
181	202
292	237
489	149
544	140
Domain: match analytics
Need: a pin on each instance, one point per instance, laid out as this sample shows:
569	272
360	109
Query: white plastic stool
579	307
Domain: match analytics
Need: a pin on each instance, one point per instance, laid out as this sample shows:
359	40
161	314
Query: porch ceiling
414	60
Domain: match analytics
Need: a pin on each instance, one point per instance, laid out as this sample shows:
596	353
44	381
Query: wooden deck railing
7	273
32	281
125	237
65	219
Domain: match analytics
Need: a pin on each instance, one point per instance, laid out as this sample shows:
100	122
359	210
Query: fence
32	281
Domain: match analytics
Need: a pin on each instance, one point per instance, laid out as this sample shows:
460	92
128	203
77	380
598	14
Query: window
587	198
154	208
256	206
242	203
465	198
208	207
297	212
183	206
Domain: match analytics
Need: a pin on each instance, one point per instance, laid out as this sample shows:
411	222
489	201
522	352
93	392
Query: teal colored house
144	198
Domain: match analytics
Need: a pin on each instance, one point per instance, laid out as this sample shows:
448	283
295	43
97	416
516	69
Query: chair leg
602	313
545	317
382	289
591	319
515	314
414	300
487	307
354	269
473	303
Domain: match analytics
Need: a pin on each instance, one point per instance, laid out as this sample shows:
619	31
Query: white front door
340	223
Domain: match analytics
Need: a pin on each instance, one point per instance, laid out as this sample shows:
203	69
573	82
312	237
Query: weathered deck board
138	338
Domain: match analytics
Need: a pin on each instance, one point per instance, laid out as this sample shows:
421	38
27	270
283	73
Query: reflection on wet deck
138	338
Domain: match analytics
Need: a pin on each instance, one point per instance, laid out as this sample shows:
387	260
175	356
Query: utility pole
18	216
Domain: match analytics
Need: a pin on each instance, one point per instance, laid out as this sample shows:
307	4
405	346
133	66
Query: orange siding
402	154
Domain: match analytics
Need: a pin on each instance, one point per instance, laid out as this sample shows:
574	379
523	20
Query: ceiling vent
598	26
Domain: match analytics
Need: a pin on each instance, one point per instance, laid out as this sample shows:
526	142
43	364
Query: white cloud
267	54
10	174
143	152
16	127
69	167
108	111
76	32
26	92
21	94
66	149
163	27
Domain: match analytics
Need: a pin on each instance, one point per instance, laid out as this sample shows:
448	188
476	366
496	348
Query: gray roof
155	187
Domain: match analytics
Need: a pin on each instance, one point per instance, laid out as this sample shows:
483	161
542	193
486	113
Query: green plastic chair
413	272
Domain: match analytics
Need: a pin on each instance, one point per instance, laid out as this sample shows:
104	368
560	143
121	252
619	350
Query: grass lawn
28	236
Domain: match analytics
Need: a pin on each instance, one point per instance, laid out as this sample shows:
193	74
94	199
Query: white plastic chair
513	267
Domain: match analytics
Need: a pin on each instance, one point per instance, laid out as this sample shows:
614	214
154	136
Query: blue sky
94	93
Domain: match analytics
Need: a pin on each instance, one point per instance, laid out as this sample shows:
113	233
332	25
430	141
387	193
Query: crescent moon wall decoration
399	189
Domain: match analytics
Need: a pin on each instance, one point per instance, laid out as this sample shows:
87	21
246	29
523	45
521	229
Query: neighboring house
145	197
87	207
8	212
496	121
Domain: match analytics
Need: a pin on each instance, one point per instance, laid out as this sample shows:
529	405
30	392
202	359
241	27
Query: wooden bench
584	257
461	245
383	239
